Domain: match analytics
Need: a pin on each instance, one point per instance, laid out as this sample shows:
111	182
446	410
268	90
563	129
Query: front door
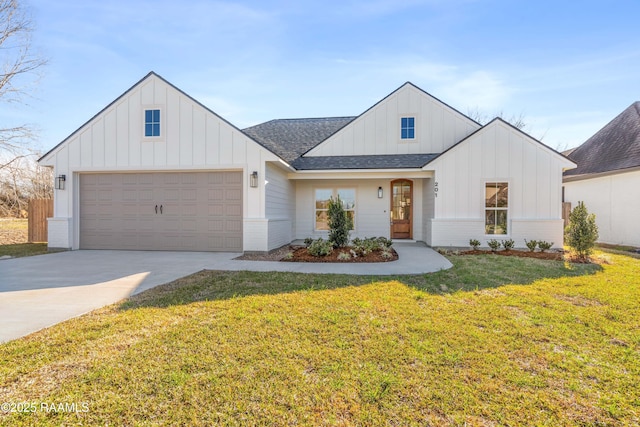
401	209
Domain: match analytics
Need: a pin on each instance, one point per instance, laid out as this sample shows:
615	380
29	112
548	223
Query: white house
158	170
607	178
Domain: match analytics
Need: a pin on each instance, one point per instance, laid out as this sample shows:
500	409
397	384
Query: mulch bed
300	254
553	256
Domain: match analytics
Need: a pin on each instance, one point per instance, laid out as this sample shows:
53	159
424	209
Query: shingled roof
379	161
291	138
614	147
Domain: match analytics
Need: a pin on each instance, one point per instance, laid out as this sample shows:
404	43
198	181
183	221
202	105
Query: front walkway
40	291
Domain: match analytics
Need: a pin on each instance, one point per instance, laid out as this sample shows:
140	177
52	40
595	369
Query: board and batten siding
428	206
614	201
192	138
372	217
498	153
280	206
377	131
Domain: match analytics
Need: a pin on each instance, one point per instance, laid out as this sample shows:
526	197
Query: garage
182	211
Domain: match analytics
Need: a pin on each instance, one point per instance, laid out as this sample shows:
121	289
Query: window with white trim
151	123
407	128
322	197
496	207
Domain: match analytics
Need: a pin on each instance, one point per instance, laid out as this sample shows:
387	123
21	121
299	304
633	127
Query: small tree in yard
582	232
339	223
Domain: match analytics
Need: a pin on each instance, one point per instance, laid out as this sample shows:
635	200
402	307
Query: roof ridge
315	118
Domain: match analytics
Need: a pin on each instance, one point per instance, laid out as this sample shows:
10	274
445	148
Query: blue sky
568	67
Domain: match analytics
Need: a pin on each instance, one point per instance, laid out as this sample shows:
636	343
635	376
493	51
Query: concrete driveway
40	291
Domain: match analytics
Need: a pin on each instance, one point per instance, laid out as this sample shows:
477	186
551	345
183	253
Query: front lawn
13	239
493	341
23	249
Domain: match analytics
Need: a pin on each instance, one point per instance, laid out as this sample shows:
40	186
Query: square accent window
407	128
151	123
348	198
496	204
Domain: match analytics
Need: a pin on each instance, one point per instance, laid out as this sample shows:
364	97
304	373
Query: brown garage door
199	211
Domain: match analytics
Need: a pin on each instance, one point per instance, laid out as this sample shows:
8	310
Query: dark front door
401	209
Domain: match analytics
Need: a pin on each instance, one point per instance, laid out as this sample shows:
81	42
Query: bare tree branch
15	43
21	177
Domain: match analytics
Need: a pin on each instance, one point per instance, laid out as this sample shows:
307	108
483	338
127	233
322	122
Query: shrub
582	232
320	247
494	245
531	244
344	256
474	243
308	241
544	246
508	244
339	223
365	246
387	254
385	242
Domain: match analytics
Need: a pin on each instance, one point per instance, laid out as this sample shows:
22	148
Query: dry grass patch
560	348
13	231
13	239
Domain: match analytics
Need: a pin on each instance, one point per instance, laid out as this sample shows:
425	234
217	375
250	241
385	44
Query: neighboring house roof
614	147
290	138
381	161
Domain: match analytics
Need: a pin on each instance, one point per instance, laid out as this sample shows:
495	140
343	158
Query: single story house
607	178
157	170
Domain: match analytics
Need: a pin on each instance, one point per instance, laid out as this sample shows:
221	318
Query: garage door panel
200	211
171	195
234	210
232	194
233	225
232	242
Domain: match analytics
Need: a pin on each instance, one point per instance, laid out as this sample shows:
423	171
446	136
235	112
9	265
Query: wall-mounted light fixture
379	192
60	180
253	179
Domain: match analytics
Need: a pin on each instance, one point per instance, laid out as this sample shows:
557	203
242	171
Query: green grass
23	249
493	341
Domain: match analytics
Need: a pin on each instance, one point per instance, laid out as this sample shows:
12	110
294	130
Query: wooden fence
566	210
39	211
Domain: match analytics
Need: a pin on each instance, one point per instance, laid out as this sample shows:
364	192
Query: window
151	123
407	128
323	195
496	207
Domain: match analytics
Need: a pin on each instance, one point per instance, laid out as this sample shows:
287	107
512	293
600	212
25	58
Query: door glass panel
401	208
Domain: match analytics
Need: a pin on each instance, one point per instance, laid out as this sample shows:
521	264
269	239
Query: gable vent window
407	128
151	123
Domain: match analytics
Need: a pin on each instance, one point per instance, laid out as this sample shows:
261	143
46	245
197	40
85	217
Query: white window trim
334	194
163	120
484	208
415	128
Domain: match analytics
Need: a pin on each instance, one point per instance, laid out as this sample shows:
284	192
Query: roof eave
580	177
